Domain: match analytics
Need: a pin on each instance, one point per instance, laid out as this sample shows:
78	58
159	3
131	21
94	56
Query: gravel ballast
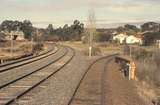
63	84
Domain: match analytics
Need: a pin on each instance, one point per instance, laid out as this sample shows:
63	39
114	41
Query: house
17	35
123	38
134	40
120	38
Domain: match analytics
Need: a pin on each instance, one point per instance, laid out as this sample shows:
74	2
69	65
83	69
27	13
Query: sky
108	13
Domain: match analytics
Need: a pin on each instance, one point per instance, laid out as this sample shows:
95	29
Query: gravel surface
22	70
25	83
89	92
119	90
62	85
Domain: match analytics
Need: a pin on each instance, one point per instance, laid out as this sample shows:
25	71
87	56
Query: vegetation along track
28	60
18	88
102	79
28	57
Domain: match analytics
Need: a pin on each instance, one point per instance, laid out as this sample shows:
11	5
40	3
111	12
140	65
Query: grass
20	48
99	48
148	70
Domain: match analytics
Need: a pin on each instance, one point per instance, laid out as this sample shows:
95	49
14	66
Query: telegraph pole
31	43
11	44
92	29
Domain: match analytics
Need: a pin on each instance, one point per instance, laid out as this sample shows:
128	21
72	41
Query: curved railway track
102	80
25	61
14	90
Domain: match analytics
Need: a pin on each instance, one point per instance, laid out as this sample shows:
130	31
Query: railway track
102	96
15	90
103	83
27	58
24	61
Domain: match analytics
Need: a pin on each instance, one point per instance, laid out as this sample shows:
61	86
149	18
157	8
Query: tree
27	29
130	27
151	37
50	29
9	25
150	26
73	32
120	29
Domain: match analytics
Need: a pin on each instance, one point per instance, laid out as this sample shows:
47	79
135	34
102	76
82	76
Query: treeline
76	31
72	32
132	29
65	33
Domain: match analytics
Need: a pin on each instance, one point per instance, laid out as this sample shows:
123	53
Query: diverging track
12	91
90	89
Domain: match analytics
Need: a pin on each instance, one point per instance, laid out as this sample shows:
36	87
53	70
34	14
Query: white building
120	38
19	34
133	40
9	35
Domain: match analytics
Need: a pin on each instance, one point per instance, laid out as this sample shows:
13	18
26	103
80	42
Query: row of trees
128	29
72	32
132	29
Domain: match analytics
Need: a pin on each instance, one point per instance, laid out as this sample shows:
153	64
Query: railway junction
63	75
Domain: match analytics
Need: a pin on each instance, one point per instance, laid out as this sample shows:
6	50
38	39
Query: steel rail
28	62
87	70
36	70
41	81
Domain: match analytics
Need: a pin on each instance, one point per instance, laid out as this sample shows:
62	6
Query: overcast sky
109	13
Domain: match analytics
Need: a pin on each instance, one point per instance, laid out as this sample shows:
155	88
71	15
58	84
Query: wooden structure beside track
127	65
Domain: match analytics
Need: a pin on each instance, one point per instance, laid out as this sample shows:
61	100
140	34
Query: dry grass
100	48
146	92
148	73
20	49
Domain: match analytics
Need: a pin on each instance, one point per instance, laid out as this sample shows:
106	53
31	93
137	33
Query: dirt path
117	89
89	92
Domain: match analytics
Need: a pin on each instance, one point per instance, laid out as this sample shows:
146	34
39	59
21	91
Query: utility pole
12	44
31	43
130	51
92	29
